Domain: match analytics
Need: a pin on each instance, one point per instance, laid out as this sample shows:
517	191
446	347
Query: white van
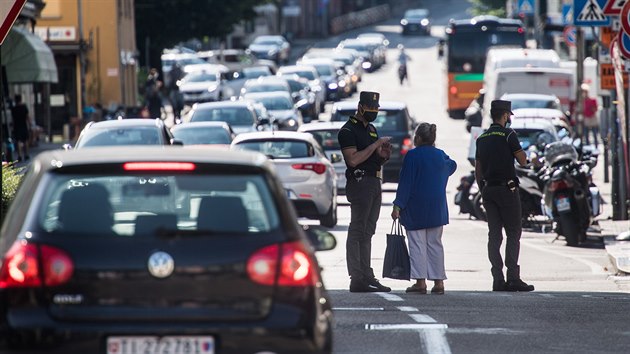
549	81
501	58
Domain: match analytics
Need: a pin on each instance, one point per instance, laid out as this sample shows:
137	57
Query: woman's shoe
437	290
416	289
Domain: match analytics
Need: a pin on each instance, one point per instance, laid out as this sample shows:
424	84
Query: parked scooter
570	197
468	197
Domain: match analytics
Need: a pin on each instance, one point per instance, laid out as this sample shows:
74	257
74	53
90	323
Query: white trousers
426	253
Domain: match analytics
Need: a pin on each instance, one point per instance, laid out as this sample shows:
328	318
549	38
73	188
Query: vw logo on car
161	264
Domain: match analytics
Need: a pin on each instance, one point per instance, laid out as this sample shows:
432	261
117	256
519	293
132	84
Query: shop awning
27	58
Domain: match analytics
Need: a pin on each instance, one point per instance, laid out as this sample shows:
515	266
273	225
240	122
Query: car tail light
318	168
559	185
453	90
159	166
406	146
521	30
296	267
22	268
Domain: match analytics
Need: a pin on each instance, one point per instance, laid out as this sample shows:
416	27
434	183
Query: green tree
488	7
168	22
11	178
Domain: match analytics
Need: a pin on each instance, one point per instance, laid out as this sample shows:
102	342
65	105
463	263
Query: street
578	305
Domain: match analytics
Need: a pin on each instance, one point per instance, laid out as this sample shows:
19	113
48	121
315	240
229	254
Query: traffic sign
613	7
570	35
624	18
9	11
567	14
624	44
526	7
590	13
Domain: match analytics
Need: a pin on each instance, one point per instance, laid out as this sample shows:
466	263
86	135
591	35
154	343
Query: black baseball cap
369	99
501	105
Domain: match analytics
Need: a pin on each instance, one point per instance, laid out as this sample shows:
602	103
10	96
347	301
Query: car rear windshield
386	121
234	116
200	77
536	137
525	103
327	138
119	136
276	103
139	205
279	149
202	135
305	74
266	88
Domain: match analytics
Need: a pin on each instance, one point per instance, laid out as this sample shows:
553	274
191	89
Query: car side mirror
177	142
334	158
67	147
320	239
263	121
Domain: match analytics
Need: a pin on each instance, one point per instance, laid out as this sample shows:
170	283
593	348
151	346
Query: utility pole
82	59
579	102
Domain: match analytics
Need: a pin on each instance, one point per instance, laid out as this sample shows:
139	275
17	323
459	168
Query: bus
467	45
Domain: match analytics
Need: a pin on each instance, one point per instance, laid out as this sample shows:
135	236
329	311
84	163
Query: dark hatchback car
133	131
155	250
393	120
416	21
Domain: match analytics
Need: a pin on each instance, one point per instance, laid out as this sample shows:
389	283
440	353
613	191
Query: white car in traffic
326	135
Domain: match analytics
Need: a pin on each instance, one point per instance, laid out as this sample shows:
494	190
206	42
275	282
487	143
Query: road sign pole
579	103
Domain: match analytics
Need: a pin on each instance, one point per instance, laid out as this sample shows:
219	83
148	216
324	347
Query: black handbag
396	263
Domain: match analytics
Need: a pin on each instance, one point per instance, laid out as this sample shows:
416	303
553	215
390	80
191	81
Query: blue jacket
421	193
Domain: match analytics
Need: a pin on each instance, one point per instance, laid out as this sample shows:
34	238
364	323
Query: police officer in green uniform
364	153
494	170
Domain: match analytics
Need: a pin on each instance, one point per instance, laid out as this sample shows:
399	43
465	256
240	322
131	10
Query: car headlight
291	122
332	86
366	65
424	22
342	84
404	22
212	88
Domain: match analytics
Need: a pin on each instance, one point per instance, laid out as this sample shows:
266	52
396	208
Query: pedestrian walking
403	58
364	153
153	97
421	205
21	127
591	121
174	95
494	170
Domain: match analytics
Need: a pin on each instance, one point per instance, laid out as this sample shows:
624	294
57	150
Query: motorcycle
571	199
468	197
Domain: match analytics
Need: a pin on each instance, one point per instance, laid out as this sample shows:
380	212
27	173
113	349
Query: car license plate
159	345
563	204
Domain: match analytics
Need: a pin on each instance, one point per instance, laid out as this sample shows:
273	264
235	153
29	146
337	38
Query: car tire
330	218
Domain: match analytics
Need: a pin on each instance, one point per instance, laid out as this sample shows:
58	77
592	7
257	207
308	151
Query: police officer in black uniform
494	170
364	153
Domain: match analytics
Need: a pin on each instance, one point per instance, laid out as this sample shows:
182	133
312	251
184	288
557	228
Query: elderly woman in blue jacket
421	205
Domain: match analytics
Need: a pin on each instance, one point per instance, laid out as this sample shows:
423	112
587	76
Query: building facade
95	50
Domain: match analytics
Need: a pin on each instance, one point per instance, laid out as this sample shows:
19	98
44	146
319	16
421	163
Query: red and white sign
9	11
624	44
624	17
613	7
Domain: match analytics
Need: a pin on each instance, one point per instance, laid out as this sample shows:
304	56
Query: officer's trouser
503	209
365	205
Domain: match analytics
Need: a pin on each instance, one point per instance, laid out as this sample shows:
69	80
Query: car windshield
234	116
416	14
202	135
362	47
200	77
305	74
266	88
386	120
279	149
138	205
535	137
268	41
297	85
327	138
323	69
190	61
276	103
119	136
525	103
254	73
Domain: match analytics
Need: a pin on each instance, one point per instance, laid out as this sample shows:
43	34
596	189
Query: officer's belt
499	183
366	173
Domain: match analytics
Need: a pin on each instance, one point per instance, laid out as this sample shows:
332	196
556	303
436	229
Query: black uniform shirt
354	134
495	149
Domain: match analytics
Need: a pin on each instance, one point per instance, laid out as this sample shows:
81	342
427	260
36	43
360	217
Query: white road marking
407	309
405	326
546	295
483	331
434	341
421	318
390	297
358	309
595	268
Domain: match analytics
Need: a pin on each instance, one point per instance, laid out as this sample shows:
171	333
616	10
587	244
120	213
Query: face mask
508	123
370	116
